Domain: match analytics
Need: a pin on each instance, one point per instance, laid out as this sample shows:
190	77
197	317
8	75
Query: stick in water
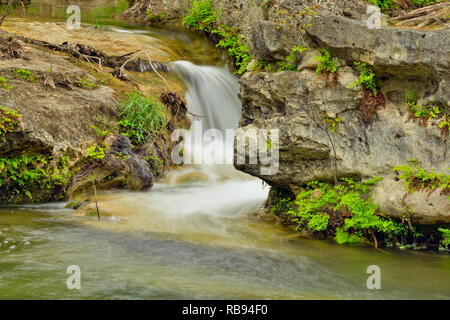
95	197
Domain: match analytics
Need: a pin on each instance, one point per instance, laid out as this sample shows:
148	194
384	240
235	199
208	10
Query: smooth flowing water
197	233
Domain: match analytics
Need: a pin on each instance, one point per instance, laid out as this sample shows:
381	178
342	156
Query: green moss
29	178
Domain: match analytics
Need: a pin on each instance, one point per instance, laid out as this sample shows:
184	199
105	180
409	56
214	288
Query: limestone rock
120	168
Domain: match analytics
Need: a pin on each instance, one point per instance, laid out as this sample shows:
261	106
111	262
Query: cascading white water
212	94
212	99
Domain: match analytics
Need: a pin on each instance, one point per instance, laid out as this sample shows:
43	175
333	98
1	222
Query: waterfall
212	95
212	99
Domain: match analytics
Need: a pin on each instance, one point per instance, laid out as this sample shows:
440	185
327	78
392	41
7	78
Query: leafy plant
367	78
154	17
25	75
201	16
332	122
9	119
327	64
97	153
353	216
417	179
4	83
383	4
28	175
141	116
422	113
446	236
234	43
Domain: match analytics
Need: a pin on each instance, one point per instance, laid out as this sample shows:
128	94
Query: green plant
417	179
234	43
202	16
97	153
103	128
85	83
154	17
367	78
383	4
4	83
141	116
9	119
342	210
100	26
422	113
23	177
445	236
327	64
25	75
63	162
298	21
332	122
423	3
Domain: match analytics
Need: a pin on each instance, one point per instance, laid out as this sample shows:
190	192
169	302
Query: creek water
196	234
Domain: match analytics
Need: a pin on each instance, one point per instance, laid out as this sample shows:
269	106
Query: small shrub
367	78
234	43
332	122
141	116
445	237
383	4
327	64
201	16
342	210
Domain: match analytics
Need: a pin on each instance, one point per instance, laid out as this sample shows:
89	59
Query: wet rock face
119	169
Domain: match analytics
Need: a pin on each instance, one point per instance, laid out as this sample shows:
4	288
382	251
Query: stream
196	234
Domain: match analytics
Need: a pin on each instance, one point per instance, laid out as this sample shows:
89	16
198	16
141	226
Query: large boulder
119	169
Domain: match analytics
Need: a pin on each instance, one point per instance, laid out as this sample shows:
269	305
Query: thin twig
151	65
